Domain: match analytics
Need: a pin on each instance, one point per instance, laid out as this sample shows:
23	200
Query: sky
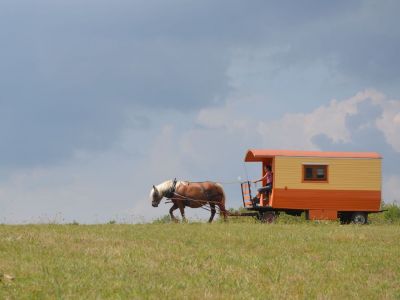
99	100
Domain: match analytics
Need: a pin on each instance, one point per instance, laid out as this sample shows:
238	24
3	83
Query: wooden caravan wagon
324	185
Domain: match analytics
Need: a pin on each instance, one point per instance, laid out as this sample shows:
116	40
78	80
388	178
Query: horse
190	194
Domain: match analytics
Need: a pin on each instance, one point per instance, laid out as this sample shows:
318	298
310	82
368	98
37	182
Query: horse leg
222	210
212	206
182	209
175	206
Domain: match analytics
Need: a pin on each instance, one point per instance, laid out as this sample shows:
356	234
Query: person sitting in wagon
268	187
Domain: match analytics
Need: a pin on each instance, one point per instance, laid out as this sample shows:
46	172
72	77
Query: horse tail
223	198
222	192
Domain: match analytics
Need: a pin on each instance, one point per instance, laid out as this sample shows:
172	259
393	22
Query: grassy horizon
197	260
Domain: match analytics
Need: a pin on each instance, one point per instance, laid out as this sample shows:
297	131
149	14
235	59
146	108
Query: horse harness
171	193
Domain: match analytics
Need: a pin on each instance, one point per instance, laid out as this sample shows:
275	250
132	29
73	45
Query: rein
203	207
184	198
211	197
172	194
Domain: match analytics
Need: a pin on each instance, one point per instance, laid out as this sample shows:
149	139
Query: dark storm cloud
169	54
71	69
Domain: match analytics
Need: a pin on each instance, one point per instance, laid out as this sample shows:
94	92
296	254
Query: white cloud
391	188
297	130
294	130
236	115
115	184
389	123
97	187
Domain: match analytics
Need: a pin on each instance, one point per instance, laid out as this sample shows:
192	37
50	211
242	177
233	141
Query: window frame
314	167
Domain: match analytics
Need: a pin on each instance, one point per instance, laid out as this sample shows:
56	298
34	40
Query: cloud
339	121
114	183
368	121
365	122
389	124
71	69
392	189
94	187
183	89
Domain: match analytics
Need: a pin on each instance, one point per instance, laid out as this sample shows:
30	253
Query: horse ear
155	189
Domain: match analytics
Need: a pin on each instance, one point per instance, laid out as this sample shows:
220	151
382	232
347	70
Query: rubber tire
360	218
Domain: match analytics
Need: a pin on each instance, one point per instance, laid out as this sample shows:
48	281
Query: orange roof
260	154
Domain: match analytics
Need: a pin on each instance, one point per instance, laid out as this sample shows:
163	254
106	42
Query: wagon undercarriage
268	214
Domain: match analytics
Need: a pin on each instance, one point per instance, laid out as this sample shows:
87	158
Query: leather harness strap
209	197
171	191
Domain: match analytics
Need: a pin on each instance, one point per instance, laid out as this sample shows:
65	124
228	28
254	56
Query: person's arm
261	179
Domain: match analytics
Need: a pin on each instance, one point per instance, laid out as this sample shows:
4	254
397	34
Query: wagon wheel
359	218
268	217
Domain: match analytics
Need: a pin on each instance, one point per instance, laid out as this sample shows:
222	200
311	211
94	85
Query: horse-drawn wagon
323	185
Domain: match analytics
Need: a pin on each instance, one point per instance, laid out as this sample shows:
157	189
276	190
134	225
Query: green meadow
233	260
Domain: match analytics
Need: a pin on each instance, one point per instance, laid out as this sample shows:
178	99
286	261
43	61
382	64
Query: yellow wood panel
343	173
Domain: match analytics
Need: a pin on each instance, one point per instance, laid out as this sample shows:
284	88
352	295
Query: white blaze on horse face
155	197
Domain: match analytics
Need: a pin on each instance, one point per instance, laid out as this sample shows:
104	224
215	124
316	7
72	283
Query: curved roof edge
260	154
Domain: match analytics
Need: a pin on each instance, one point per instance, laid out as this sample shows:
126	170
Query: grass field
195	261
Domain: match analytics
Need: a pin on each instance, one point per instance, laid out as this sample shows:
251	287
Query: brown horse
190	194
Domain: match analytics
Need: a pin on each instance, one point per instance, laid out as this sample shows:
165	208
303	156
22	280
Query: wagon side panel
353	184
340	200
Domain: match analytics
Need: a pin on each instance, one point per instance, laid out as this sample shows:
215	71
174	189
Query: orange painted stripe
339	200
260	154
320	214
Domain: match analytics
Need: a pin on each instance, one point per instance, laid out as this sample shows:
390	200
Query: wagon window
308	173
312	173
